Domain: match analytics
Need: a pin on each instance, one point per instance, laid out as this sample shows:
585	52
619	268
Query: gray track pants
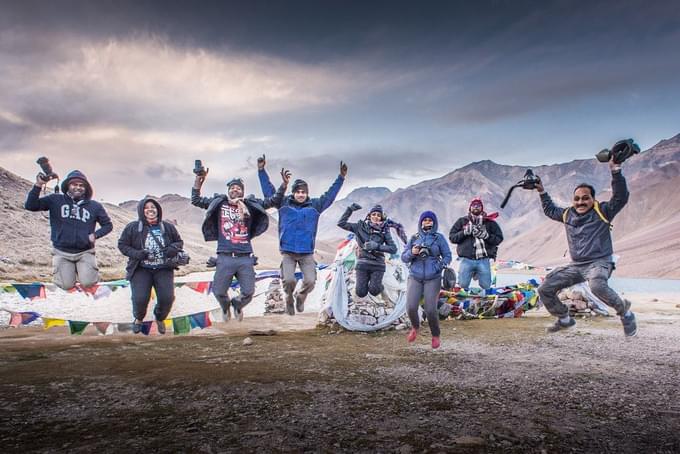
228	267
416	290
596	273
307	264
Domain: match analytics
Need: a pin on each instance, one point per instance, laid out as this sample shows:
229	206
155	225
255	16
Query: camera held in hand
622	150
424	252
528	181
199	170
47	173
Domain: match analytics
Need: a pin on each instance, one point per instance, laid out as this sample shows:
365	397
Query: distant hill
646	232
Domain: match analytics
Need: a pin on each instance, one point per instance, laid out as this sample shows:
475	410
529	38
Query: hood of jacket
435	222
89	192
140	209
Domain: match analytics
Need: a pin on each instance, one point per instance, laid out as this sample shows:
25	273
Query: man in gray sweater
588	225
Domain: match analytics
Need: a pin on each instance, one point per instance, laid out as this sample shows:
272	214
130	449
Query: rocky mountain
645	232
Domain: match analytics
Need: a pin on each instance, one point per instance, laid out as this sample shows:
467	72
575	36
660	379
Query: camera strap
598	210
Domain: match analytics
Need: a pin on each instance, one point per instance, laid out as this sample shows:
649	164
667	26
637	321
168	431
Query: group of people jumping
233	220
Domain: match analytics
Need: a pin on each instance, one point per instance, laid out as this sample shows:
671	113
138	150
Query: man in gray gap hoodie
588	225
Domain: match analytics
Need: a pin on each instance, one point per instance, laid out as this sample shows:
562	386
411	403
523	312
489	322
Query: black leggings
369	281
163	281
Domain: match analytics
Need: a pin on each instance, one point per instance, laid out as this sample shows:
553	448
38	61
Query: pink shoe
435	342
412	335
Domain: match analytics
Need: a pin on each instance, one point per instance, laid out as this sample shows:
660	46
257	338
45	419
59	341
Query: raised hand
261	162
41	179
343	169
285	175
355	207
200	179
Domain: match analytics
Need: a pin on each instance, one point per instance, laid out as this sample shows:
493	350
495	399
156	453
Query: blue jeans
468	267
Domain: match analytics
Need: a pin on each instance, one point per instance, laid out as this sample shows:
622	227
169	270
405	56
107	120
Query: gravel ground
494	386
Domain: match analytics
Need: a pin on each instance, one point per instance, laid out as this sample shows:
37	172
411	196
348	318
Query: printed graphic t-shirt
156	258
233	230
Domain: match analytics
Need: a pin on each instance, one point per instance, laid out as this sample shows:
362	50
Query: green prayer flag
181	325
77	327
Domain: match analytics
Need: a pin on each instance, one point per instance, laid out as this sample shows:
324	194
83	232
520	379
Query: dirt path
494	386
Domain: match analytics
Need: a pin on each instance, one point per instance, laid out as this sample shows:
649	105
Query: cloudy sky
132	92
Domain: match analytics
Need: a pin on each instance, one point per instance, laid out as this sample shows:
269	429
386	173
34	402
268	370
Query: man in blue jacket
73	220
587	223
298	223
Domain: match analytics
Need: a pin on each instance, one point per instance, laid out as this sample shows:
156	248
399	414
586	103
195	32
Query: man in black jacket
73	220
477	236
587	223
233	221
374	240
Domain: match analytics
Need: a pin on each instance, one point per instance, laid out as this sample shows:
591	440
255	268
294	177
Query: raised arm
344	223
33	201
276	200
268	189
620	194
196	199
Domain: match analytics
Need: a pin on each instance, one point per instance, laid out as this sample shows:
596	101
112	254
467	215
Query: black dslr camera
622	150
528	181
47	173
424	252
199	170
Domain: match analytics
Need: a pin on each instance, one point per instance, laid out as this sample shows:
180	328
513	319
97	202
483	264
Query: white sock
564	320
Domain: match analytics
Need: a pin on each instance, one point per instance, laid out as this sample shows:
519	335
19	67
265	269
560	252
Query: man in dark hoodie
587	223
374	240
477	236
233	221
149	243
298	223
73	220
427	254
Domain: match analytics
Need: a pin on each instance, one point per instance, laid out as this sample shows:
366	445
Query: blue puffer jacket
298	222
430	267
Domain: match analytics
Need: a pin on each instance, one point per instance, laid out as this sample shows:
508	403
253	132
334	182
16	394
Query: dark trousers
428	290
369	280
162	281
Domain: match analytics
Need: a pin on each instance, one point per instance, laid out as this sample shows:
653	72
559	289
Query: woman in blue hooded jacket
427	253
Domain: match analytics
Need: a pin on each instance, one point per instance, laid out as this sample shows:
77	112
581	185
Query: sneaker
629	325
558	325
161	326
137	326
226	312
299	303
290	305
412	335
435	342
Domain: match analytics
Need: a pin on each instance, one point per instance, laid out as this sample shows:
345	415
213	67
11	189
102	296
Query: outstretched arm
268	189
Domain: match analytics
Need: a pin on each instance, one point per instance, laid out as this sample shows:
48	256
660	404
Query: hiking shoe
412	335
161	326
137	326
558	325
299	303
435	342
290	305
629	325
